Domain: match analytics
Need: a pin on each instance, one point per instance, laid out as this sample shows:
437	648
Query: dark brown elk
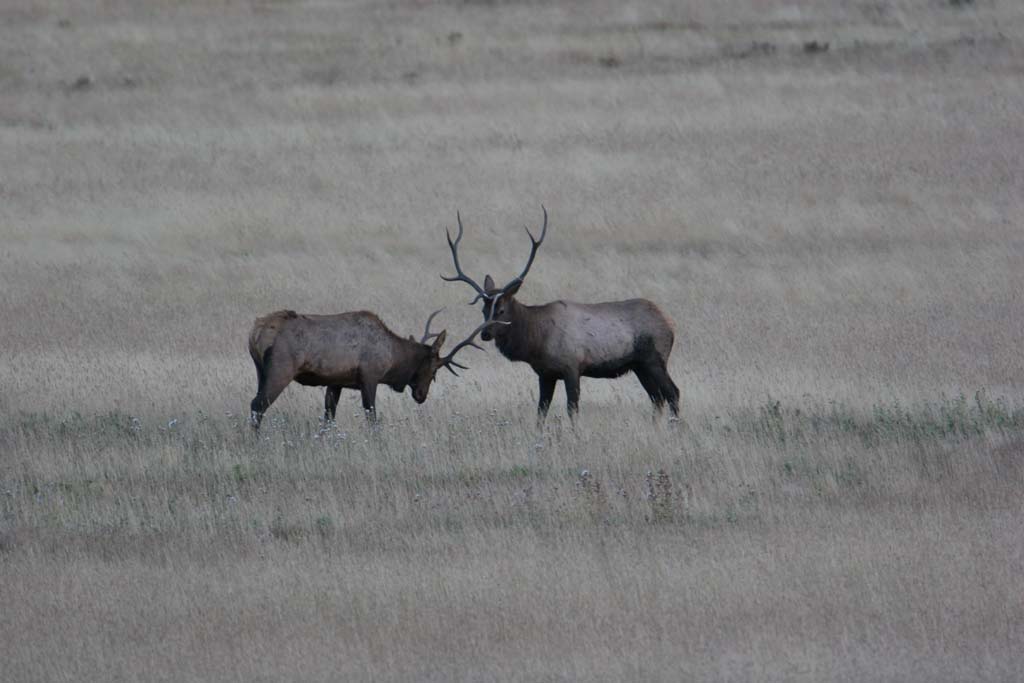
344	351
564	340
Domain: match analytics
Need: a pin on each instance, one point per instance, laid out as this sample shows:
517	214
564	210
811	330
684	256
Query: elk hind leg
572	394
368	391
331	397
256	406
668	388
547	392
274	379
652	386
259	403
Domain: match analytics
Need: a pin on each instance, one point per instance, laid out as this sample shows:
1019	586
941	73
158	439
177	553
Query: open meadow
826	197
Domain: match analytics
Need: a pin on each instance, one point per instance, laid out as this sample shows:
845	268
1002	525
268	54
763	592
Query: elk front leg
331	397
369	393
547	392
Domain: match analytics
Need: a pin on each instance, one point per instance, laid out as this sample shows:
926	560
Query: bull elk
564	340
344	351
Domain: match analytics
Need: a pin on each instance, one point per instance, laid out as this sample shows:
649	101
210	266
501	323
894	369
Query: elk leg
275	380
258	404
547	392
572	394
257	407
668	388
369	393
331	397
652	387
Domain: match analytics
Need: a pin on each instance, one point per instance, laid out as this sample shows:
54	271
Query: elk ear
438	343
488	284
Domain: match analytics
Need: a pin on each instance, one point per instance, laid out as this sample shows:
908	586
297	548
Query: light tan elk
564	340
344	351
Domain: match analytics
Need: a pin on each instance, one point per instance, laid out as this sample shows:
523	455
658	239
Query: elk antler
448	361
427	334
461	276
534	246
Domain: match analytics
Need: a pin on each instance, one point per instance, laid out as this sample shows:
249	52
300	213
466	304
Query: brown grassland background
837	234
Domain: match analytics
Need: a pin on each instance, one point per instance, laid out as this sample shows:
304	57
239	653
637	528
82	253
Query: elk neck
516	341
406	358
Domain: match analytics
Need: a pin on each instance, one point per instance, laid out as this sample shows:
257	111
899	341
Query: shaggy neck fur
412	355
515	341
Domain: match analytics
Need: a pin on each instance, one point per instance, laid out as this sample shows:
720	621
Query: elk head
498	302
433	361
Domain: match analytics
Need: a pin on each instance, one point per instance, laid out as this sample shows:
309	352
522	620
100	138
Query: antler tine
461	276
534	246
451	369
449	365
468	341
427	334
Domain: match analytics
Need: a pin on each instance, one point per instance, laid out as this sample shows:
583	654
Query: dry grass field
826	197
